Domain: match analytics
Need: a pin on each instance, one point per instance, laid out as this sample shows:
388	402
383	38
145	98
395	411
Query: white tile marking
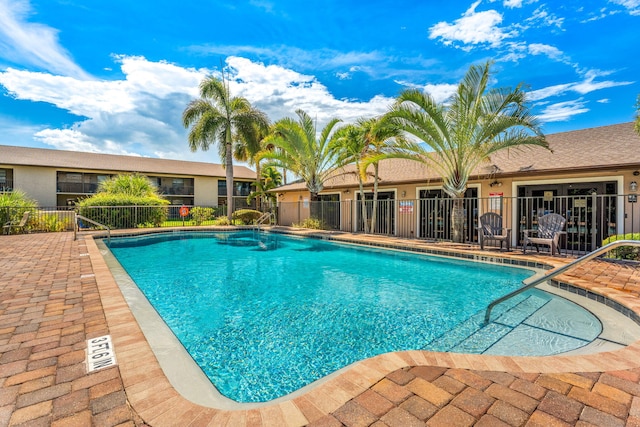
100	353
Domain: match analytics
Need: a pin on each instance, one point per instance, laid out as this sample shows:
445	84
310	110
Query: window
241	188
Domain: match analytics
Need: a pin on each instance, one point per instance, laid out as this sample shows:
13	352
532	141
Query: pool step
472	336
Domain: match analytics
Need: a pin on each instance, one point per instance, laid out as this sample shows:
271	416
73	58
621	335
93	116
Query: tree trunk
259	199
374	211
363	208
229	170
457	220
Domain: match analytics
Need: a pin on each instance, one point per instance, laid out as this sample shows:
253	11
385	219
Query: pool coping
156	400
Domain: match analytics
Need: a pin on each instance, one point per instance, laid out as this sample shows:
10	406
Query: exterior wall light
633	186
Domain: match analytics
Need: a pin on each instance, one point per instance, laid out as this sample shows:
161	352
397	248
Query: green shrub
312	223
13	205
247	216
121	211
222	220
623	252
200	215
51	222
126	201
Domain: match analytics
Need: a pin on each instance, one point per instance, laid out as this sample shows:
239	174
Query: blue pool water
265	314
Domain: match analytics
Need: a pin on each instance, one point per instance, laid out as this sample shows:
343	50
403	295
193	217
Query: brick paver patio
55	293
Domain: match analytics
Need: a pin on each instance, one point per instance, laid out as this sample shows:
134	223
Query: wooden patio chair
18	225
491	228
550	227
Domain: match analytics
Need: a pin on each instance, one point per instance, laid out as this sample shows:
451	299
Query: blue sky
114	77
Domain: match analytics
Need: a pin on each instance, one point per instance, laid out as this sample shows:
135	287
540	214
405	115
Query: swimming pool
264	315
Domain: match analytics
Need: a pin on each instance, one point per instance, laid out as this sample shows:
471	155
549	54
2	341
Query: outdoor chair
490	228
550	227
18	225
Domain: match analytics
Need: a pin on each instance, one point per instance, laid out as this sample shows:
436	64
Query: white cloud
549	91
633	6
279	92
545	49
142	112
512	3
563	111
74	140
474	28
31	44
542	17
584	87
440	92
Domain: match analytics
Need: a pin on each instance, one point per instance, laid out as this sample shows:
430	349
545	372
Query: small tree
269	178
299	148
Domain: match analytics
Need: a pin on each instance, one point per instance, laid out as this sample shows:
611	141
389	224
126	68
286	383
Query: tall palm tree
366	143
383	139
299	150
215	117
351	147
246	148
476	122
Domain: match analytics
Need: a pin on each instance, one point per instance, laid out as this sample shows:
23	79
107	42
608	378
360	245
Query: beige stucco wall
39	183
205	191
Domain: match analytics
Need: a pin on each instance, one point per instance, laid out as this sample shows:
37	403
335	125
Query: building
59	178
590	176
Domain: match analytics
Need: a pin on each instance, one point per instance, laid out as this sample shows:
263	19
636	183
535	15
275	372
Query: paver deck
56	293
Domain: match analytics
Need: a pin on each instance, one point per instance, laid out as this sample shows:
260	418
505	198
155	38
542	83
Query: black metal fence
591	220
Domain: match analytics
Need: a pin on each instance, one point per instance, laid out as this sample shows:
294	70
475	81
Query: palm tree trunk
229	170
259	179
457	220
363	208
374	212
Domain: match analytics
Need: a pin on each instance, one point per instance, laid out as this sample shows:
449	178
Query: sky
114	77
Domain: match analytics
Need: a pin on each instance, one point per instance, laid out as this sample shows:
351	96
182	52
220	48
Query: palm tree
367	143
247	147
351	146
215	117
299	150
269	179
475	123
383	139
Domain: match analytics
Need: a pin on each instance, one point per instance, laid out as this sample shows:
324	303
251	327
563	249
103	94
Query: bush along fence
591	221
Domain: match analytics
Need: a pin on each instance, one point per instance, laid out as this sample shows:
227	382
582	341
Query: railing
77	187
556	271
90	221
267	216
6	186
592	220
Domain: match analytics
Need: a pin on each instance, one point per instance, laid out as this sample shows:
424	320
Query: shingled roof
23	156
600	148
